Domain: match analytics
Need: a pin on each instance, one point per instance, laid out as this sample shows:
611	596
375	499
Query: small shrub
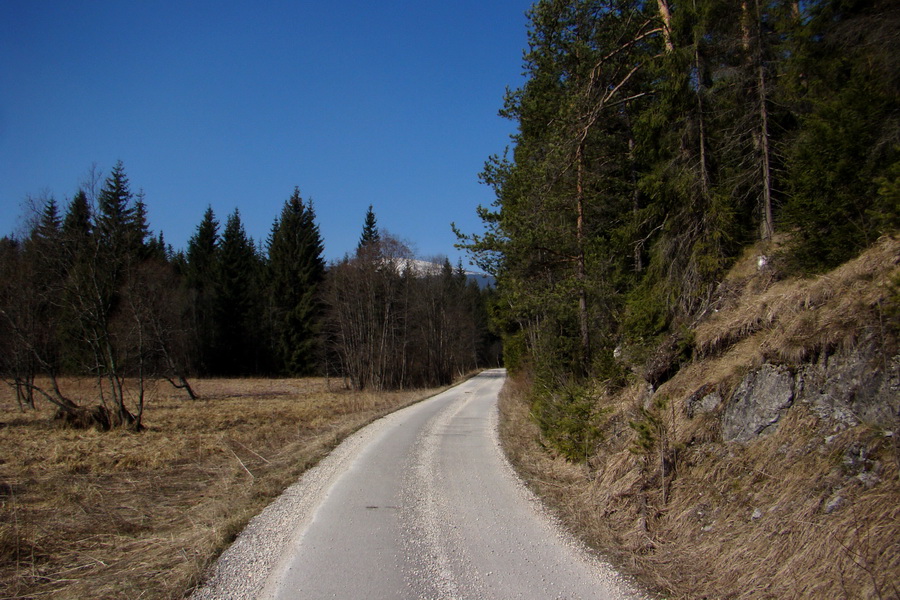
570	420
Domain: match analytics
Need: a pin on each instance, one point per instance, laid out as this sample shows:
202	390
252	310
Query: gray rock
834	503
852	388
704	400
758	403
849	388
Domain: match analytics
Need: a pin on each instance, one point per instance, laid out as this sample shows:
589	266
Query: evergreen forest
87	289
656	141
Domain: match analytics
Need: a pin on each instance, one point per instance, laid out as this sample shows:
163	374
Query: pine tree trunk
666	17
767	228
635	203
581	270
701	122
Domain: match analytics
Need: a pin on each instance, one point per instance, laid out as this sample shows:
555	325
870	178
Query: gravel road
421	504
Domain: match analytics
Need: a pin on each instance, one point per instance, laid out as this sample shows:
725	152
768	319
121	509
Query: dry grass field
88	514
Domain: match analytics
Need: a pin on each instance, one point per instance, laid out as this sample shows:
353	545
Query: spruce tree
76	227
370	233
200	279
116	217
295	271
238	303
140	239
845	92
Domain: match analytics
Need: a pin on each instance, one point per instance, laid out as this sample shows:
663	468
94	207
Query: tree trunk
701	122
745	26
183	384
581	268
666	17
767	228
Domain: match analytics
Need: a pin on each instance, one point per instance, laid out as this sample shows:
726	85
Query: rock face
758	403
853	389
846	389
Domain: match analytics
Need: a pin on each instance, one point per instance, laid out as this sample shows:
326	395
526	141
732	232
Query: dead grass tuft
115	514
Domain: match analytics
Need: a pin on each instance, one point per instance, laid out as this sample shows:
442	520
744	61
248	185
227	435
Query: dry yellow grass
88	514
799	317
810	511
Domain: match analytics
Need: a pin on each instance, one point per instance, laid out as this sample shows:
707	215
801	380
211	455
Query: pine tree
370	233
116	218
562	195
45	249
140	238
295	271
845	93
238	303
76	227
200	280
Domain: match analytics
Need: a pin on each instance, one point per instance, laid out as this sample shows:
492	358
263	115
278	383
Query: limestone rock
852	388
704	400
758	403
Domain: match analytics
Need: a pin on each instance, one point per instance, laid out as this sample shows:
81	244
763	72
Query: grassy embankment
88	514
809	511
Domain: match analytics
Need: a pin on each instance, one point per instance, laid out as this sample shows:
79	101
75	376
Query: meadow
92	514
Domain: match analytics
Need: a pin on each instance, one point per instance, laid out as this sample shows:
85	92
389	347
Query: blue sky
232	104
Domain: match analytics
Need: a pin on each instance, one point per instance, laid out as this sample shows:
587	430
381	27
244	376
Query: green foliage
846	144
200	281
121	226
570	419
649	154
96	292
369	233
886	210
295	271
649	427
646	314
238	305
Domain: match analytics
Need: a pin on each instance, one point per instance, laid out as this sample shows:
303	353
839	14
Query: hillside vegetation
766	466
694	243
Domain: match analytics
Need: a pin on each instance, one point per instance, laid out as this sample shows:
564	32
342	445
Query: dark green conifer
295	271
238	303
370	233
116	215
200	279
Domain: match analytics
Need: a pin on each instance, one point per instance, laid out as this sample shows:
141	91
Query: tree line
395	322
88	289
658	139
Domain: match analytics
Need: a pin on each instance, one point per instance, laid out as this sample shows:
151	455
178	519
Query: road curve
422	504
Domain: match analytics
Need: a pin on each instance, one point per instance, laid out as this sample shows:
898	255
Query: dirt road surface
421	504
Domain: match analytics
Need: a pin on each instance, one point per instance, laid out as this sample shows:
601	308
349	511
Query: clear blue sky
232	104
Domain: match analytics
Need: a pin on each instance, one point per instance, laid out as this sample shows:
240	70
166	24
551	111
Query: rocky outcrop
846	389
853	389
704	401
758	403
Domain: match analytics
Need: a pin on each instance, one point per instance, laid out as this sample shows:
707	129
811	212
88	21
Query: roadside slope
767	466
